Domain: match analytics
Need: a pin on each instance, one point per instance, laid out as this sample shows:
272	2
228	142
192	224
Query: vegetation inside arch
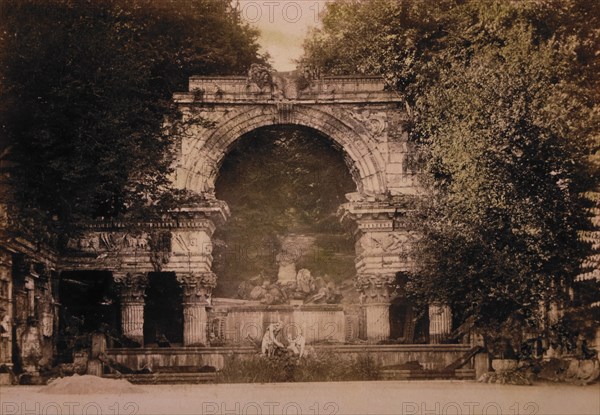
283	185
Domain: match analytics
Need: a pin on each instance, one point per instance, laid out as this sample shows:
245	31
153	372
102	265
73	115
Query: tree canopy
85	91
503	99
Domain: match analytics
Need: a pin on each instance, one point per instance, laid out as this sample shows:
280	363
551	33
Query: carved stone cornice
264	86
375	288
197	287
149	244
104	241
207	213
199	217
373	213
132	286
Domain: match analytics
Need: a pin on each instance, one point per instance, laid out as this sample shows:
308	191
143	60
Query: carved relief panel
95	242
375	121
191	243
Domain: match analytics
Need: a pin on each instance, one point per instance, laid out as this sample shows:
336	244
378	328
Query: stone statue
261	76
258	292
270	343
274	295
262	289
305	283
293	247
305	288
246	287
296	345
327	293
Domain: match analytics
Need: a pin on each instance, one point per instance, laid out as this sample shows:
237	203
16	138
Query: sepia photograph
300	207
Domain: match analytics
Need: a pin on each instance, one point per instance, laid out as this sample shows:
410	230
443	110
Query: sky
283	25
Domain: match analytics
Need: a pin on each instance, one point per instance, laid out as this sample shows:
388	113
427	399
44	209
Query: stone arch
365	162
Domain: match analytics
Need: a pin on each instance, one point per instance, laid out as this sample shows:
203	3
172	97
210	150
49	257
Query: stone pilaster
440	323
382	239
132	292
6	308
375	296
382	247
197	291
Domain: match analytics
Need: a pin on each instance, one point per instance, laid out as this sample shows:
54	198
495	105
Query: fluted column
197	291
132	292
440	323
375	296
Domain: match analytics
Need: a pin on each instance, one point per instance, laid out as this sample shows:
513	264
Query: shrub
287	368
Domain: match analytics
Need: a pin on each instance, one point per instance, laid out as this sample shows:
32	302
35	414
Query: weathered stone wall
242	324
431	357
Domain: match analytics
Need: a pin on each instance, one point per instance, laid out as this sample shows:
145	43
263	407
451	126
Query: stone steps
412	374
167	378
387	374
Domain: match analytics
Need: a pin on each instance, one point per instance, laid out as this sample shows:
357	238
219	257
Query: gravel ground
390	397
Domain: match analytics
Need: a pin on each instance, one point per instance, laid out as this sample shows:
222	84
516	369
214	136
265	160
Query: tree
86	88
504	104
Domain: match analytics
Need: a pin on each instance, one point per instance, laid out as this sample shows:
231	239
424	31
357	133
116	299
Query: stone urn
504	365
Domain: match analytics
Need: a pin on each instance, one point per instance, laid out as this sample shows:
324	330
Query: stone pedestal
377	318
197	289
440	323
287	272
194	325
481	361
31	349
132	291
375	295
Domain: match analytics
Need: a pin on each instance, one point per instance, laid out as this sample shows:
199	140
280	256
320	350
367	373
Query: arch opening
283	185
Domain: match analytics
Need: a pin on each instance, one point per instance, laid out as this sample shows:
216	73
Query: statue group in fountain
290	287
304	288
271	343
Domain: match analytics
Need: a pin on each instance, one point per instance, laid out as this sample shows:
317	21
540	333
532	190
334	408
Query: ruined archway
205	153
360	117
366	123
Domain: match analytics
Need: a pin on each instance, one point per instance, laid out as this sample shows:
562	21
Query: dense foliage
85	91
503	98
325	367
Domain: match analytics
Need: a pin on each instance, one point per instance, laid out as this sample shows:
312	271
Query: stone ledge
356	348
